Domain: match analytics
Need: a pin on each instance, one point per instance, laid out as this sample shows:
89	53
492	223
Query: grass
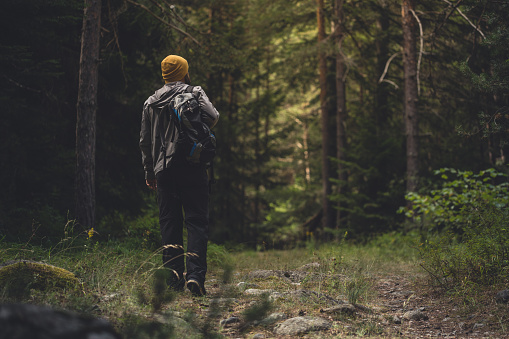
121	281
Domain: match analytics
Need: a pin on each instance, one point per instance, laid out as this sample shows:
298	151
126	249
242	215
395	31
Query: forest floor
364	297
332	291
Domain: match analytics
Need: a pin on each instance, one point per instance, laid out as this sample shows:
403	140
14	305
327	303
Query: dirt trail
399	308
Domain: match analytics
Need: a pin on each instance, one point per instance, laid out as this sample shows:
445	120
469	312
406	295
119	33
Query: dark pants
182	190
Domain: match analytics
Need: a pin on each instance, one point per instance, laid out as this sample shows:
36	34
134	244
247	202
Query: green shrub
465	224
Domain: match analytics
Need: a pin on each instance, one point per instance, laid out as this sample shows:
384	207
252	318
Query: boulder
300	325
273	318
24	321
415	315
18	277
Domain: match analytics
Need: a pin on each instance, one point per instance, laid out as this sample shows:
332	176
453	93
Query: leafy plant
470	211
460	200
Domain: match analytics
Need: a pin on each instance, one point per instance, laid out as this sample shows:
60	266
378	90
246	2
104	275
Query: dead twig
465	17
387	68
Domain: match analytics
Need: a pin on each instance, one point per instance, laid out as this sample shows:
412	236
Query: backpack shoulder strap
161	127
189	89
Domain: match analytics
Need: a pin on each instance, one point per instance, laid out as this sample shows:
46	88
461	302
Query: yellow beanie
174	68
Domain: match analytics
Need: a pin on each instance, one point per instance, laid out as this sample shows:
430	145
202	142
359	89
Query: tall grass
124	281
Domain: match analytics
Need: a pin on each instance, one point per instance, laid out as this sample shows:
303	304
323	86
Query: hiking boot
197	289
176	284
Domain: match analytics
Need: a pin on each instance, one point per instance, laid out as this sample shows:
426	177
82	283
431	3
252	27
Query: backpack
196	143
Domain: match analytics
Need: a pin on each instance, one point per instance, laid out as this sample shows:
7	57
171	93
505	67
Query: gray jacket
150	142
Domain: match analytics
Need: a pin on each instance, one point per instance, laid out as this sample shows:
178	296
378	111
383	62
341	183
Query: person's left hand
152	184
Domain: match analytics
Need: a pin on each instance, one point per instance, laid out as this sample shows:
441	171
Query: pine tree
86	116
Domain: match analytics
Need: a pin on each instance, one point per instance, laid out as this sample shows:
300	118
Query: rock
257	292
396	320
275	296
402	294
346	309
229	321
273	318
477	326
244	285
259	336
32	321
301	325
415	315
18	277
502	297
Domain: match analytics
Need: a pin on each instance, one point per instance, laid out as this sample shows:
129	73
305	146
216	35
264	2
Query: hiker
182	188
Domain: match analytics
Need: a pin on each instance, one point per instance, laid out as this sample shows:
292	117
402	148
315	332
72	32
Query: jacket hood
164	95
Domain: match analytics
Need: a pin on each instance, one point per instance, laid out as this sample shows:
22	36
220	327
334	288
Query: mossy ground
17	278
119	282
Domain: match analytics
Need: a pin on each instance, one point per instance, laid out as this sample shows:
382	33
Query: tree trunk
411	95
328	213
340	101
86	114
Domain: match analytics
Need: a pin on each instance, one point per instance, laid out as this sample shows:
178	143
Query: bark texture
340	100
410	94
86	114
382	53
328	212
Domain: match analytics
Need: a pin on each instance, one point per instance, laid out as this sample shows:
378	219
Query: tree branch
179	18
465	17
420	52
113	21
387	68
164	22
447	16
22	86
391	82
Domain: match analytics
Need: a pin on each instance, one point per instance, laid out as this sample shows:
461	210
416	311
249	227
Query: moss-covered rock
18	277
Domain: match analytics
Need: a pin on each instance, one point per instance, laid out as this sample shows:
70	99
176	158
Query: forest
336	116
361	176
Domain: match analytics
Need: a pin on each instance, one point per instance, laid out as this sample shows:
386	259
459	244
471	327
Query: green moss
16	279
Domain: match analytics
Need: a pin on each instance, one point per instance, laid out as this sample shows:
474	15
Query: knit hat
174	68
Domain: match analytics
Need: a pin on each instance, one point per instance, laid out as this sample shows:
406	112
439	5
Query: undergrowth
124	281
465	239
